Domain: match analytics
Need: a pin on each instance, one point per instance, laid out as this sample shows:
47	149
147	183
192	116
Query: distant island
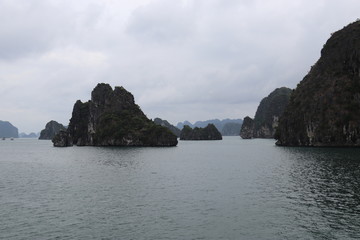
30	135
227	127
166	124
7	130
111	118
231	128
324	109
210	132
267	115
51	129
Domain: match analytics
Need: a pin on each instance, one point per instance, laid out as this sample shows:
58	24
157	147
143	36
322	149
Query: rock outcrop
324	109
51	129
62	139
166	124
210	132
247	128
7	130
267	115
111	118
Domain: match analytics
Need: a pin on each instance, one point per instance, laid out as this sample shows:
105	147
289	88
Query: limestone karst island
267	115
324	109
111	118
209	132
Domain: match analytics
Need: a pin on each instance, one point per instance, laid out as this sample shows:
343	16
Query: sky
181	59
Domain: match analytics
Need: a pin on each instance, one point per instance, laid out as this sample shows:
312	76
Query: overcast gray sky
181	59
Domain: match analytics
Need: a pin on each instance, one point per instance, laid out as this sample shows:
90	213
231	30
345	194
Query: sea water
229	189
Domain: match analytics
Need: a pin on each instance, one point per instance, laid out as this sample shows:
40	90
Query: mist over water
229	189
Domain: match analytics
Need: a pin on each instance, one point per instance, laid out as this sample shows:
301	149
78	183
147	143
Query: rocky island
210	132
267	115
51	129
247	128
324	109
111	118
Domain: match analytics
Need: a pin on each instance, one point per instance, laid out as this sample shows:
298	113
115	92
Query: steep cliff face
210	132
324	109
267	115
51	129
111	118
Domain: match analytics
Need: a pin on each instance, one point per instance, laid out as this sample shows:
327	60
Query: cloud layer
182	60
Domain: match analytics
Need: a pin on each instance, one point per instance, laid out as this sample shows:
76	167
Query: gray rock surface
51	129
247	128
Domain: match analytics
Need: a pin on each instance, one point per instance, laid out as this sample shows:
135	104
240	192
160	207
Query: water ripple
199	190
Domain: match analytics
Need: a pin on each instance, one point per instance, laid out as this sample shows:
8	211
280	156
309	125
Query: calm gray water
230	189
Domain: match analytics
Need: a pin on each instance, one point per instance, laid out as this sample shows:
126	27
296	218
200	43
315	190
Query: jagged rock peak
111	118
324	109
119	98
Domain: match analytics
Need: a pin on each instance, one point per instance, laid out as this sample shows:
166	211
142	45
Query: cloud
35	27
28	27
162	22
227	51
182	60
31	93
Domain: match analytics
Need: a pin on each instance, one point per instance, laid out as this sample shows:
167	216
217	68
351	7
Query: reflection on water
326	182
113	156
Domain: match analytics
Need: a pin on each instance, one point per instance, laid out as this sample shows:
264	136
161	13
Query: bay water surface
229	189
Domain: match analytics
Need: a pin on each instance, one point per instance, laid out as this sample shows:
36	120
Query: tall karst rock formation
111	118
267	115
324	109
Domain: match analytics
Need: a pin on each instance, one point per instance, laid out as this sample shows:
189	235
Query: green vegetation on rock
166	124
324	109
111	118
